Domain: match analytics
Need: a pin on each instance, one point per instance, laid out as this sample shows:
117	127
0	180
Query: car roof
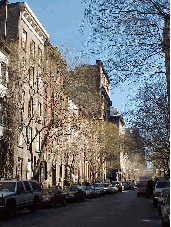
162	181
168	188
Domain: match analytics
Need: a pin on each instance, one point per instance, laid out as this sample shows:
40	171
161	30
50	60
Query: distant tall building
89	88
116	119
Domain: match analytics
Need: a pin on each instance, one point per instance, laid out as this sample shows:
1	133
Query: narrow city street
123	209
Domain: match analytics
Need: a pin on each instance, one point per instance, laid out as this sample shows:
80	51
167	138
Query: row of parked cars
77	193
161	200
160	193
18	194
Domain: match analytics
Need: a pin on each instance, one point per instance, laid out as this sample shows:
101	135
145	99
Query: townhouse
25	35
6	149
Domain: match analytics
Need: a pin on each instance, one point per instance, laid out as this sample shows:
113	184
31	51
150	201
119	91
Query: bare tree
103	146
152	118
128	35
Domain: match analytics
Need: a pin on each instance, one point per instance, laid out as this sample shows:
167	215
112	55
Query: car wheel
155	204
11	212
163	223
64	202
159	210
34	208
76	199
83	199
52	204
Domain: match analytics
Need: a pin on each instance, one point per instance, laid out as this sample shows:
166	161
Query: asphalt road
123	209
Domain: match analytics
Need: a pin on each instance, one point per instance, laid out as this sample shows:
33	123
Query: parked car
158	189
118	184
18	195
69	195
107	188
90	191
166	211
161	199
114	189
78	192
126	186
131	185
99	189
142	188
54	197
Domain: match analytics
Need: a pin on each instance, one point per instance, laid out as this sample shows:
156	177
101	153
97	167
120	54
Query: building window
46	91
30	135
34	161
39	142
31	76
3	74
32	49
1	112
39	56
30	108
24	39
40	108
22	100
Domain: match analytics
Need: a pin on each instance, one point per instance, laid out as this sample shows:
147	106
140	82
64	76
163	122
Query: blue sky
62	20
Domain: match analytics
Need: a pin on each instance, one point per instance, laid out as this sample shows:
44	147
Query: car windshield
88	187
165	192
162	184
115	183
73	189
142	184
7	186
106	185
96	185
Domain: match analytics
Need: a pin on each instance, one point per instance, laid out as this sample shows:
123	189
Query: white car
158	189
19	194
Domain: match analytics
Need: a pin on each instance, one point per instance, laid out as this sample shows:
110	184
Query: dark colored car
131	184
166	212
161	199
54	197
142	188
118	184
69	196
78	192
125	185
128	185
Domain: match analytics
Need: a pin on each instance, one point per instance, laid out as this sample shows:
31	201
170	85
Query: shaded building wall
22	23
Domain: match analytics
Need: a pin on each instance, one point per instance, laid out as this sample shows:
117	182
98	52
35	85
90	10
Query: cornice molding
33	23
